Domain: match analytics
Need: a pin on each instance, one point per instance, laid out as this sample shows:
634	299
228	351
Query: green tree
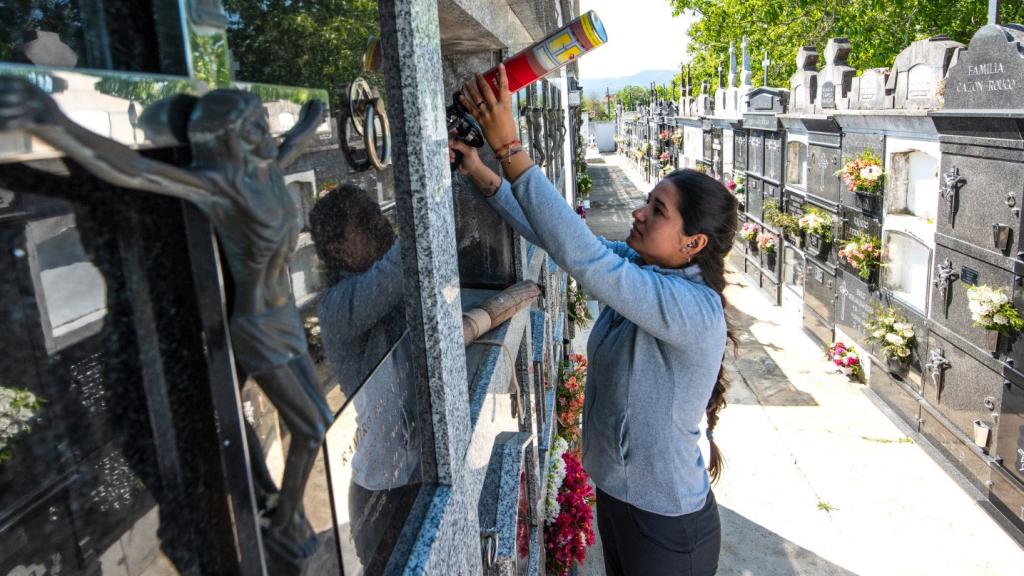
596	107
309	43
878	30
632	96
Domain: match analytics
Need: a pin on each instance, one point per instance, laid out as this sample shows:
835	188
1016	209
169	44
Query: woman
655	352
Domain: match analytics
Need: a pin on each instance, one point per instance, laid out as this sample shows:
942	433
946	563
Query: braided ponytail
708	208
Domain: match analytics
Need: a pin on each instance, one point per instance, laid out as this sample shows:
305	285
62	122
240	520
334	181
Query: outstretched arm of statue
295	141
24	106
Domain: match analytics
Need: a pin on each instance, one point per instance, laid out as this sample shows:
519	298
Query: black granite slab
755	152
755	197
950	307
958	449
739	158
967	390
819	328
793	267
774	157
855	303
901	397
820	290
985	186
822	164
1010	429
1007	495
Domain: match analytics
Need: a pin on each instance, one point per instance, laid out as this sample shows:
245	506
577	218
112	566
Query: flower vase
898	367
816	245
868	201
992	341
769	260
752	246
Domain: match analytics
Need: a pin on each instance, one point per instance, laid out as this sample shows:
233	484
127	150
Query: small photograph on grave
373	462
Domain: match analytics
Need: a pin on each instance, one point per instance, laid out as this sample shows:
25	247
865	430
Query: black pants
641	543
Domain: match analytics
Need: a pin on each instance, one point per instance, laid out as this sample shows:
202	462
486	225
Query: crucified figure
236	180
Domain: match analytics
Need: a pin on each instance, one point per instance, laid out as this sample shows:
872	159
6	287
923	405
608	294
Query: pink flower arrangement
567	538
863	253
664	135
846	358
863	173
766	241
664	156
731	185
570	399
750	231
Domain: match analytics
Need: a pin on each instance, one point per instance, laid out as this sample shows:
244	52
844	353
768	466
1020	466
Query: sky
642	35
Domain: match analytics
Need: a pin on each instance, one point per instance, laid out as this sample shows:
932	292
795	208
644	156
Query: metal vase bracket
363	110
898	367
868	201
992	340
982	433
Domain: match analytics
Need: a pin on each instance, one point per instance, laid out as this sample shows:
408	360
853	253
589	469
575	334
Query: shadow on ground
756	368
753	550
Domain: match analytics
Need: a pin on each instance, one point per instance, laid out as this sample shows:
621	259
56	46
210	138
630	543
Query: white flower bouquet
555	477
892	331
991	309
18	407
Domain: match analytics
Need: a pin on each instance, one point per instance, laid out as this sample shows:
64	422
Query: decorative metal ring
358	160
375	107
359	95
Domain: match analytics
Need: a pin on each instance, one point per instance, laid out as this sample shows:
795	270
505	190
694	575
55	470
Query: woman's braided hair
708	208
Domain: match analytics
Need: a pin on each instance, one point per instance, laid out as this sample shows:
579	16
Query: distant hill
643	79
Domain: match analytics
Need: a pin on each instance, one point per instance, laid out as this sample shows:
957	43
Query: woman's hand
492	111
483	177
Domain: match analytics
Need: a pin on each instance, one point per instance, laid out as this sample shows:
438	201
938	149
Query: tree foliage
633	96
878	30
596	107
308	43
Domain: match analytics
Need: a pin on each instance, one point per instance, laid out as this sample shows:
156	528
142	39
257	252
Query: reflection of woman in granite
236	180
656	350
362	316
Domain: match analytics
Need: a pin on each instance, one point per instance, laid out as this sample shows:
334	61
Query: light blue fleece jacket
654	354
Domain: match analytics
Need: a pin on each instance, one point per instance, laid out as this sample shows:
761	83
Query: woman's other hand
483	177
492	111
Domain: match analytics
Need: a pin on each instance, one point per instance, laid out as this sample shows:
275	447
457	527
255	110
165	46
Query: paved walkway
818	480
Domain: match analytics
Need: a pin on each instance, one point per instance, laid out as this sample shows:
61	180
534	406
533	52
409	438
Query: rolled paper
498	308
556	50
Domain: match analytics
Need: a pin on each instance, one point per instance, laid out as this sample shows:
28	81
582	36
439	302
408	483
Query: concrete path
818	480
